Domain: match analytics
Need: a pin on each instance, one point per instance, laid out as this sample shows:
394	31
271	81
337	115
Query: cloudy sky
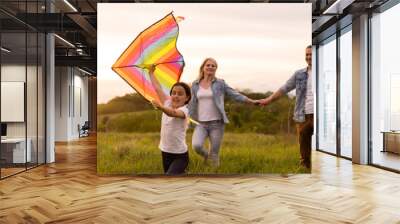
258	46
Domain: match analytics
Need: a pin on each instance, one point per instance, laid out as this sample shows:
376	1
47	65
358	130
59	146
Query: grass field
249	153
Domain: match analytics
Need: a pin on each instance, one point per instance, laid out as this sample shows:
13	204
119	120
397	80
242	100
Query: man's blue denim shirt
298	81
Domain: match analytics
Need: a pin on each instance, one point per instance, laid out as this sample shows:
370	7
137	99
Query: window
346	92
326	94
385	87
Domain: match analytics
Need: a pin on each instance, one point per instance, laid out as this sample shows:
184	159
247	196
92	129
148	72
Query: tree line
132	113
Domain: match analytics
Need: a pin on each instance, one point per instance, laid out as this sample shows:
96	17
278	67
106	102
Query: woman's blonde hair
201	73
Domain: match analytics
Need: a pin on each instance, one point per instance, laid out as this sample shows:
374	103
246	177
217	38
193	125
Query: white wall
62	81
15	73
71	102
81	103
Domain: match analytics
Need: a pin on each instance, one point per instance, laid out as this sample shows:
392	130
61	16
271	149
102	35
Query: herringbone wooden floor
69	191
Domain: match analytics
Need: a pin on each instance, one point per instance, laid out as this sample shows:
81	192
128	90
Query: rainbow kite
156	45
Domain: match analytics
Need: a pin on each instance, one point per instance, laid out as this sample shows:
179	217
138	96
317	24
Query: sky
258	46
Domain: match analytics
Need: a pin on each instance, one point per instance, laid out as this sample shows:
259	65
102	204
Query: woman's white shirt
207	110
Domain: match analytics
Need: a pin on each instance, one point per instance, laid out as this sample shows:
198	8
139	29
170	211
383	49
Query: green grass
244	153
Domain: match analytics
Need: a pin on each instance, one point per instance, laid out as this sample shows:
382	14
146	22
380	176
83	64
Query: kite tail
179	18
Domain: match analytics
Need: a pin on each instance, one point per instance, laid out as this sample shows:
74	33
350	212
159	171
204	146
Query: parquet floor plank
70	191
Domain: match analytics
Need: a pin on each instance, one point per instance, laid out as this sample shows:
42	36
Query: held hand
255	102
264	102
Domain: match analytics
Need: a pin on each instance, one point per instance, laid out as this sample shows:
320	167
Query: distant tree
128	103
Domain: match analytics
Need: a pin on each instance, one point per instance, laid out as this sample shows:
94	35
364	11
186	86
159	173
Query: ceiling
75	21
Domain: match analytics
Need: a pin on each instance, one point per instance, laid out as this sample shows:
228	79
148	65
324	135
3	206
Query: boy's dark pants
175	164
305	131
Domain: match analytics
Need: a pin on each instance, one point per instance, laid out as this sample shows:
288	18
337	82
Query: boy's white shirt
173	131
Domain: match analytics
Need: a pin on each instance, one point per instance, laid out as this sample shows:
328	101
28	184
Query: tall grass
244	153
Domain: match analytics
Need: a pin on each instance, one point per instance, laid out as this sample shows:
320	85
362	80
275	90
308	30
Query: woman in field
207	107
174	123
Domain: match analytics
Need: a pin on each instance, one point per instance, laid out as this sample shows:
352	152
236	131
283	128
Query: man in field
304	108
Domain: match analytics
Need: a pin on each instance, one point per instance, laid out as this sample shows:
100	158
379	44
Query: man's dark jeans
305	131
